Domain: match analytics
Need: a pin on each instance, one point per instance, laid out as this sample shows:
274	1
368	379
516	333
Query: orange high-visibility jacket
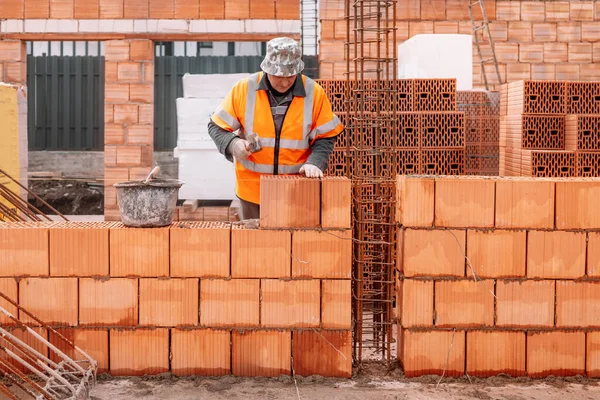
307	119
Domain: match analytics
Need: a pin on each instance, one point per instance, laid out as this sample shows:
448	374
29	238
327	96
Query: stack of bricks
197	298
482	130
498	276
128	116
425	135
534	138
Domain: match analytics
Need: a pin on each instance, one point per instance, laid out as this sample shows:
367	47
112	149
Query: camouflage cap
283	58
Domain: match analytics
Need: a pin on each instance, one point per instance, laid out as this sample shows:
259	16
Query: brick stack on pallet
197	298
426	136
482	121
550	129
533	246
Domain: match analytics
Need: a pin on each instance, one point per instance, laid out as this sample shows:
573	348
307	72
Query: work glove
240	149
311	171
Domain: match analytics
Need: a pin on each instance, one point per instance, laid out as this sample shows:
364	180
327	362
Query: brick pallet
205	298
536	259
426	134
550	129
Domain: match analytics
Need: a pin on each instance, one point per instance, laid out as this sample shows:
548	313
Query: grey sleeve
321	151
222	138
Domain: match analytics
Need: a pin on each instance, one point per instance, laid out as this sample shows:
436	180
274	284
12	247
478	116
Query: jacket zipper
277	138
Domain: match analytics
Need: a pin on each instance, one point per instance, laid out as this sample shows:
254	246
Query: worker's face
282	83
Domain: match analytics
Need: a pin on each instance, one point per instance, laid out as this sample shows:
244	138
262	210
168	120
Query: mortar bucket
148	204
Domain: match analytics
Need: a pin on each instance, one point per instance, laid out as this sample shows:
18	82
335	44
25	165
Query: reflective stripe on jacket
248	109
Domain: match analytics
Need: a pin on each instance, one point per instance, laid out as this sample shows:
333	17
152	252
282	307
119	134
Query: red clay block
79	249
432	352
322	254
498	253
260	253
524	203
558	254
577	204
593	254
53	300
555	353
324	353
289	202
415	201
168	302
416	303
229	303
525	303
464	303
200	352
8	286
23	250
336	202
139	251
94	342
261	353
492	353
592	351
290	304
577	304
111	302
336	305
432	252
139	352
464	202
200	249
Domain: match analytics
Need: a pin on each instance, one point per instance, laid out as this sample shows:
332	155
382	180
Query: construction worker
283	112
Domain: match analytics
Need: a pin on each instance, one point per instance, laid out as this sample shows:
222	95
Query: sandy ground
365	386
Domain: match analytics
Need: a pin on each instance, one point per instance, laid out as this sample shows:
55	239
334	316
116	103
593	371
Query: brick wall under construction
203	298
534	39
498	275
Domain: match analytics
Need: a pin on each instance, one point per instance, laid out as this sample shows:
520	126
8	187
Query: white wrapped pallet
193	116
211	86
438	56
205	171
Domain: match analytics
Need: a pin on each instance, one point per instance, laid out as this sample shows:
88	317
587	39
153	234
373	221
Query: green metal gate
65	102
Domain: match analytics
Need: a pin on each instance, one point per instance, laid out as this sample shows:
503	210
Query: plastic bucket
149	204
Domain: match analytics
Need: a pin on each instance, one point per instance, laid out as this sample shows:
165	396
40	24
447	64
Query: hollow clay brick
52	300
168	302
577	204
112	302
290	304
229	303
415	298
322	254
464	202
200	249
261	353
415	201
525	304
432	252
23	251
324	353
524	203
139	352
257	253
336	202
141	49
592	351
336	304
492	353
557	254
464	303
432	352
289	202
200	352
555	353
498	253
577	304
92	341
593	254
139	251
8	287
79	249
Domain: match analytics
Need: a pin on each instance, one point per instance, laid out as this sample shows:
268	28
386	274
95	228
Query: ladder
485	27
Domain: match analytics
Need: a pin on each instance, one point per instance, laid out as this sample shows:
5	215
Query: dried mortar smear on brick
325	353
200	352
111	302
555	353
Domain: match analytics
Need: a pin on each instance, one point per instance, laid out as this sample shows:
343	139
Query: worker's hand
311	171
240	149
